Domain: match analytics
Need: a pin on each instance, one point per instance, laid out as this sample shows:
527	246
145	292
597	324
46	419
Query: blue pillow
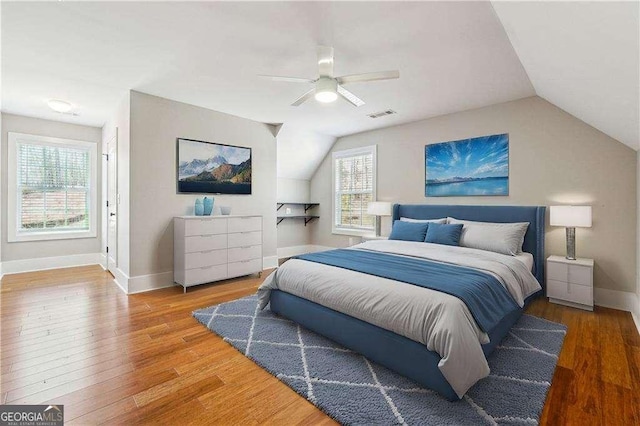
409	231
444	234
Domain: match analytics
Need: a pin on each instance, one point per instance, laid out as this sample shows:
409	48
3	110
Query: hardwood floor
70	336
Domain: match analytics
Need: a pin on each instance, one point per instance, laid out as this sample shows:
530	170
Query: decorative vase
199	208
225	210
208	206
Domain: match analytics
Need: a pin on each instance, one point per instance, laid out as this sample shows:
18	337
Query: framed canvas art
468	167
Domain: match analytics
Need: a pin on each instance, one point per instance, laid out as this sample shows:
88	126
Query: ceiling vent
381	113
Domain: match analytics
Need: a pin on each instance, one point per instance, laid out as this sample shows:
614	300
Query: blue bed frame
398	353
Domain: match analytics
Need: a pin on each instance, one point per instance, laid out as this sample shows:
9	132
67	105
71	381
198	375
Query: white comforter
440	321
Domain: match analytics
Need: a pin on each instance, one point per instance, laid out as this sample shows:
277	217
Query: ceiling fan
327	87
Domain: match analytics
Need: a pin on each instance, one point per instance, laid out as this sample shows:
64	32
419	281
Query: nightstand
373	238
570	282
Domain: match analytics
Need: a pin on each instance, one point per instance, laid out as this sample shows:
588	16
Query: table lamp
571	217
378	209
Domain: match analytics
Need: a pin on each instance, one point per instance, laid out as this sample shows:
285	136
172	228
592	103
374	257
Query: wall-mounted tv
212	168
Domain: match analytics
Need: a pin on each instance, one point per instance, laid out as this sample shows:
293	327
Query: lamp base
378	225
571	244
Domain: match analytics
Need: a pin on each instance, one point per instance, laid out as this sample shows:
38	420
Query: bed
447	365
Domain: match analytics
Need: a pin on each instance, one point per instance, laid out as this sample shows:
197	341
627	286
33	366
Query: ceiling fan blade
350	97
289	79
370	76
304	97
325	61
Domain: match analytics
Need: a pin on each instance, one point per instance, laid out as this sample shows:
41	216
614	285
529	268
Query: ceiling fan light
326	97
59	106
326	90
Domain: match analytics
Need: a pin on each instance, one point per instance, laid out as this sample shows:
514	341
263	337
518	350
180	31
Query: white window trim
372	149
12	214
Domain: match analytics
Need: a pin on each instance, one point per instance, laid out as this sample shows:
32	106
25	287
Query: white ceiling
582	57
451	56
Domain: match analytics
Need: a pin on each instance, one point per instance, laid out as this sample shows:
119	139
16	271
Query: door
112	204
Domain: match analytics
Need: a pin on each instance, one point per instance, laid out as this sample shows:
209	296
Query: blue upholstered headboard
535	215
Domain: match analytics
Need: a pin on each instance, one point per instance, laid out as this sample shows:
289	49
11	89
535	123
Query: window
52	188
354	184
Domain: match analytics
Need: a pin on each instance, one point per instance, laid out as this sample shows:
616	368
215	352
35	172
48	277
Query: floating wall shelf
306	217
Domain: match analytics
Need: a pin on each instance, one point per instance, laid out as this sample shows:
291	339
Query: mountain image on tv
211	168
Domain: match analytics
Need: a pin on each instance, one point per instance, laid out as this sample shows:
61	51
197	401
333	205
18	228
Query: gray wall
39	249
554	159
155	125
292	233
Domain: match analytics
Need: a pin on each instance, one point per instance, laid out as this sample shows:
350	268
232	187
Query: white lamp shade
570	216
379	208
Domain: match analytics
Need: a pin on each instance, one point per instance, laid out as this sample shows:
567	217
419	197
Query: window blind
53	188
354	189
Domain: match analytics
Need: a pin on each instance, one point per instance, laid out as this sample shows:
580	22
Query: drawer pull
207	251
207	267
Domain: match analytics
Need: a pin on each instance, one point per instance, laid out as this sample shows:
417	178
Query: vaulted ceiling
584	57
452	56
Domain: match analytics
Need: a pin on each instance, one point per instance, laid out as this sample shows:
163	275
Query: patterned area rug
354	390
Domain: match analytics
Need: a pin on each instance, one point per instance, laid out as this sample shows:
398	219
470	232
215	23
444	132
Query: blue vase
199	209
208	206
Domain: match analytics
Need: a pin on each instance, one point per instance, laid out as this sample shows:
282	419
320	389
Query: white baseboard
622	300
615	299
284	252
121	279
269	262
44	263
636	319
144	283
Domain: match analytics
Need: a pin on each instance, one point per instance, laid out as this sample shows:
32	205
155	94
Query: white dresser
570	282
214	248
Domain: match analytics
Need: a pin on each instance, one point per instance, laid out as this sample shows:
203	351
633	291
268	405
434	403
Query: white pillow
408	219
505	238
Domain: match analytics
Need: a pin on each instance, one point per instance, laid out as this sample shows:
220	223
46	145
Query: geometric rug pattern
355	391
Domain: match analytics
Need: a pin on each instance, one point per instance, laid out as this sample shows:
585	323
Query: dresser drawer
205	274
570	292
243	239
558	271
205	258
581	275
205	226
246	267
245	253
576	274
199	243
245	224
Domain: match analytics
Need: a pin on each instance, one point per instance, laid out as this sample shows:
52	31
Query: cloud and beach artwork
211	168
468	167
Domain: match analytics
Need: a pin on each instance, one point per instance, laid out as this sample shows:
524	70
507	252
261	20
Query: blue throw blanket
486	298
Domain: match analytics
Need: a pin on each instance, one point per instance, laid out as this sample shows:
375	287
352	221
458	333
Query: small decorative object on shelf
225	210
208	206
199	207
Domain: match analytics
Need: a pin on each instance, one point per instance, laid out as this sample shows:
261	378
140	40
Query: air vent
381	113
